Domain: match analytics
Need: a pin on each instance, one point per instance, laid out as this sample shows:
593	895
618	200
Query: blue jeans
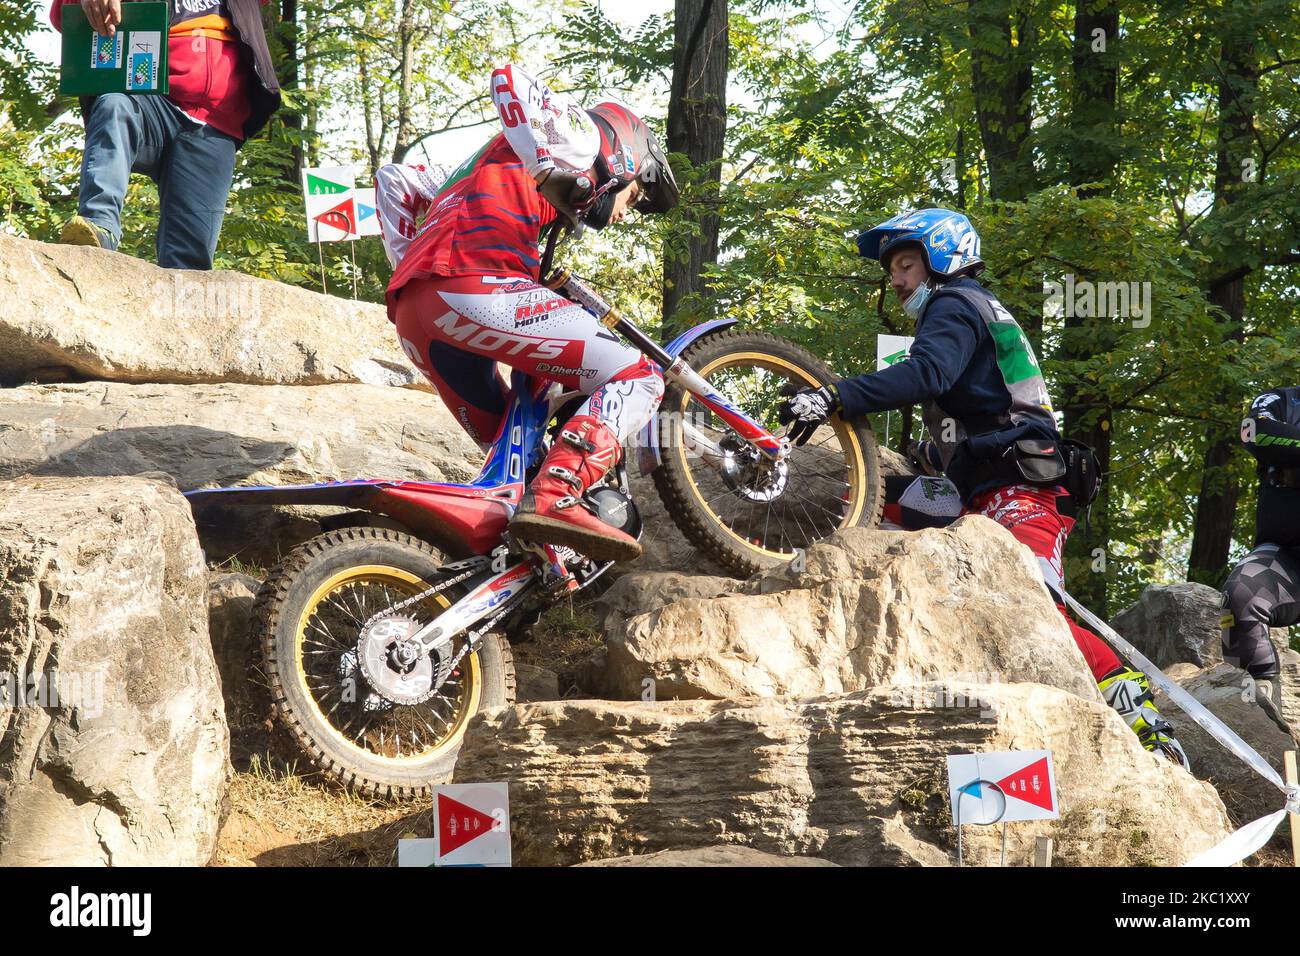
191	163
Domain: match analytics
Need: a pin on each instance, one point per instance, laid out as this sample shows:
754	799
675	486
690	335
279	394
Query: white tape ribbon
1253	835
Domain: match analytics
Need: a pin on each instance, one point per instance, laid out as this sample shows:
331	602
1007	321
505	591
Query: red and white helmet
630	152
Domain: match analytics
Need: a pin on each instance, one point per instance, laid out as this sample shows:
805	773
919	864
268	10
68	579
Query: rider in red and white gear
465	294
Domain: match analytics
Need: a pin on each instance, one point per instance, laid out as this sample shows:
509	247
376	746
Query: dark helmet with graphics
630	152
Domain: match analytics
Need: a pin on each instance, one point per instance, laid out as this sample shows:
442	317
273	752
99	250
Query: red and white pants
1031	515
456	329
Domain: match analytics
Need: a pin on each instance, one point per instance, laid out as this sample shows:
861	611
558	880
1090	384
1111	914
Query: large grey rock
867	608
1174	623
534	684
219	435
230	605
857	779
103	581
105	315
1179	623
216	435
664	547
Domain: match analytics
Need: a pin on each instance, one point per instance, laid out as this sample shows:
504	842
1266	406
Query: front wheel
381	726
748	512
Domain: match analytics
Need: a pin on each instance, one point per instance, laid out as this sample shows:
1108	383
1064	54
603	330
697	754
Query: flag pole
353	244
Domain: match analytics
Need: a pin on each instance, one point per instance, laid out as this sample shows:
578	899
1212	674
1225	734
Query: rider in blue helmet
992	428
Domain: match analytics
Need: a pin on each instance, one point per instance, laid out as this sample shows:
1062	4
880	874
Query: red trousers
1030	514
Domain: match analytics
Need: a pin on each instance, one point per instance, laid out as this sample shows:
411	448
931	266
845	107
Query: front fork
676	370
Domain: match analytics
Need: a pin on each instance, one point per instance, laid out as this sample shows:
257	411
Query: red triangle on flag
1031	784
342	217
458	824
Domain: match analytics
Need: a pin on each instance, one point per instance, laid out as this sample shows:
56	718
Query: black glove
807	408
924	457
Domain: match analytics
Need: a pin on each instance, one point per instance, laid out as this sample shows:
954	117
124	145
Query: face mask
915	303
598	215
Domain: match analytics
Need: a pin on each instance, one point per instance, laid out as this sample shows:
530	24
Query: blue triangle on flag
973	788
366	211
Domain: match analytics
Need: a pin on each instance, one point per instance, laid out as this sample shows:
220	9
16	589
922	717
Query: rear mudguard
462	520
647	441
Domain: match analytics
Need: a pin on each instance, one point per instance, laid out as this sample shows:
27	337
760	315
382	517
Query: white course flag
1002	787
331	198
892	349
471	824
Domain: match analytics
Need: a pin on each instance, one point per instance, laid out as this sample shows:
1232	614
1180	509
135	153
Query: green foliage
840	115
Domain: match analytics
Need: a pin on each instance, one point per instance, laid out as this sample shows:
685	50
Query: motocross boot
552	510
1129	693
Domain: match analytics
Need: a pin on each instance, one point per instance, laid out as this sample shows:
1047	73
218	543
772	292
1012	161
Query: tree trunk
1216	508
1094	119
697	125
406	60
286	36
1001	79
312	119
1088	419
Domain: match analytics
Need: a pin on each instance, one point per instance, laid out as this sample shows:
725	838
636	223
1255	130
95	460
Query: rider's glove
924	457
807	408
566	191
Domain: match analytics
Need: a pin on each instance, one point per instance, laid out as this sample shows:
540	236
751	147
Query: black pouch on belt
1082	472
1036	461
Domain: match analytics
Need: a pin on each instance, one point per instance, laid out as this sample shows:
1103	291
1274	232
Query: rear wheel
746	511
367	720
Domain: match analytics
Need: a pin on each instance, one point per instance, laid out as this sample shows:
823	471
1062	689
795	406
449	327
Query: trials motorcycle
382	638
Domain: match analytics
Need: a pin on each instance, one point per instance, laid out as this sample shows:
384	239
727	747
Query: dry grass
281	818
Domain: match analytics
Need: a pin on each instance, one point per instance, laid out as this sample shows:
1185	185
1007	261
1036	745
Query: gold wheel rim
848	439
472	690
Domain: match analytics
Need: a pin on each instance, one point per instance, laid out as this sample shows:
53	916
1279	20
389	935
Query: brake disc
748	473
399	669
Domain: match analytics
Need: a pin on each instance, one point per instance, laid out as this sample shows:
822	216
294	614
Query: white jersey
545	129
403	194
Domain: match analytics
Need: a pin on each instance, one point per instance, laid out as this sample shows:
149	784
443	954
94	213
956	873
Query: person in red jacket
465	293
221	90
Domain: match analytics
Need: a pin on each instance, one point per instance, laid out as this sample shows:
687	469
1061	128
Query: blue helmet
950	242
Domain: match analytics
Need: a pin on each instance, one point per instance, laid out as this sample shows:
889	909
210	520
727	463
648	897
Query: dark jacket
1271	432
971	362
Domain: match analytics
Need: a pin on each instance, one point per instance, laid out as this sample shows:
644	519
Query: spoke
799	524
321	628
360	600
827	510
821	474
331	648
335	601
361	736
